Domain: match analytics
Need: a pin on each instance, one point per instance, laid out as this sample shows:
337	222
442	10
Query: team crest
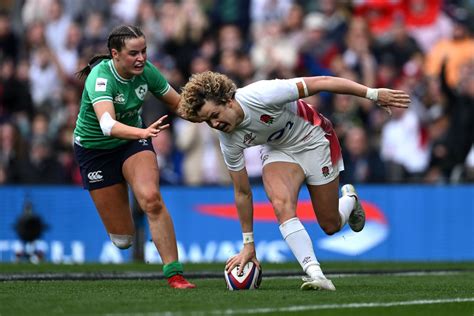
325	171
248	138
266	119
141	91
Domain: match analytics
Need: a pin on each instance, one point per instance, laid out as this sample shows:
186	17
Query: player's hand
396	98
246	254
156	127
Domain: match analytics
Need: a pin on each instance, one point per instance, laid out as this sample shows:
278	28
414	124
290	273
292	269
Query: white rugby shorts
316	163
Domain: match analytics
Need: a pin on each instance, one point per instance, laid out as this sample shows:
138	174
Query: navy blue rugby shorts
103	167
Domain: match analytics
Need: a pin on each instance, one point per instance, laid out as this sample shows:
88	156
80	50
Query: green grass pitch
362	289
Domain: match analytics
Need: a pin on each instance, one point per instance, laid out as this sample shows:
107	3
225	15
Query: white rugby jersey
275	117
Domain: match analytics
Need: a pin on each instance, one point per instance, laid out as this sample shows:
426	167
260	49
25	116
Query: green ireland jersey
127	95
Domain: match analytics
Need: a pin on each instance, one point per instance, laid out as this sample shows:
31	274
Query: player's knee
152	203
282	209
330	227
122	241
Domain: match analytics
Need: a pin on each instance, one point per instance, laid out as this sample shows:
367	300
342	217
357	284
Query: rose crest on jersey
266	119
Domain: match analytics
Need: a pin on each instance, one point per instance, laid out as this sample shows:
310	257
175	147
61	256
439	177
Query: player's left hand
246	254
396	98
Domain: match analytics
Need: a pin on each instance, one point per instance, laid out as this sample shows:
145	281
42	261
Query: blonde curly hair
202	87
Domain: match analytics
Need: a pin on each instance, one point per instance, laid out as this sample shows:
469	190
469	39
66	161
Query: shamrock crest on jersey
141	91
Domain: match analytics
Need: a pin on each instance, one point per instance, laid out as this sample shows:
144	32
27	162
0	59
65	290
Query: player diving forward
299	146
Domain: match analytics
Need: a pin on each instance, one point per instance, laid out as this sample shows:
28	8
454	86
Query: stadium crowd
421	46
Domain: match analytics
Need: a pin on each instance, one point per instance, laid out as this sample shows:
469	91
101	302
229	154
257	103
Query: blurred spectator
396	50
452	149
262	11
164	149
124	11
335	17
426	22
202	161
44	79
358	54
457	50
35	11
224	12
317	50
94	32
402	147
9	42
189	26
40	167
362	164
15	98
56	26
12	146
65	155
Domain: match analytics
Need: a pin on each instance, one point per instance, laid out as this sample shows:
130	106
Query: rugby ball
249	280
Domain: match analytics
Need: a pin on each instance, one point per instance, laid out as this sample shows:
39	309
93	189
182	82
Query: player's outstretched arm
382	96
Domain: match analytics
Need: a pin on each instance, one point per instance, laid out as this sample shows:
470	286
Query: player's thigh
325	201
114	209
282	182
142	173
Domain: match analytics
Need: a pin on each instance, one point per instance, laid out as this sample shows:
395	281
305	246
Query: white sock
301	245
346	205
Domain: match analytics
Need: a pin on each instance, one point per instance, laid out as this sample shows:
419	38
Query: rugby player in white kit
299	145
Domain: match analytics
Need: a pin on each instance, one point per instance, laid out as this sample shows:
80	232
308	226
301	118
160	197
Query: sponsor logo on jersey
100	84
143	141
248	138
95	176
119	98
266	119
141	91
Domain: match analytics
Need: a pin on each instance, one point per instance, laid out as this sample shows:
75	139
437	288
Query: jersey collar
116	74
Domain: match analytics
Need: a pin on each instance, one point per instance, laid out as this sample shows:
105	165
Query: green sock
172	268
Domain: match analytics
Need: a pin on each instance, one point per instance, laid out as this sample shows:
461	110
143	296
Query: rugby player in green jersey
114	149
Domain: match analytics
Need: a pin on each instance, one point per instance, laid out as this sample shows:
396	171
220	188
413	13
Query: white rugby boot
357	218
319	283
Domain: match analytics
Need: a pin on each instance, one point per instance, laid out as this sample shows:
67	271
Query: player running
114	149
299	146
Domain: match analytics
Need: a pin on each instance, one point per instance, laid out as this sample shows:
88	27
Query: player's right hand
246	254
156	127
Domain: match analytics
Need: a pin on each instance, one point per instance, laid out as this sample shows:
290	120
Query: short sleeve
157	83
99	88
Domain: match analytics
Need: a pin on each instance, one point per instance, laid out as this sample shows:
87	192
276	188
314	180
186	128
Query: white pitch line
302	308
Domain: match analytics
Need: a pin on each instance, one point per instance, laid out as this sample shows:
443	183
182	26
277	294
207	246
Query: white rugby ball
249	280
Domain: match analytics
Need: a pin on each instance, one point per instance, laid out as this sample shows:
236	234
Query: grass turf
277	296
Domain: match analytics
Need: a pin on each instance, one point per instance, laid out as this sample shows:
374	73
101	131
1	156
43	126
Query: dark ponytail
116	40
84	72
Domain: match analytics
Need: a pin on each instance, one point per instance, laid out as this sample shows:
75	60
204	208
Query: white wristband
247	237
372	94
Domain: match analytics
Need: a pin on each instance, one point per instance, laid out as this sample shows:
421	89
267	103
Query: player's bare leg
141	172
282	181
114	210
